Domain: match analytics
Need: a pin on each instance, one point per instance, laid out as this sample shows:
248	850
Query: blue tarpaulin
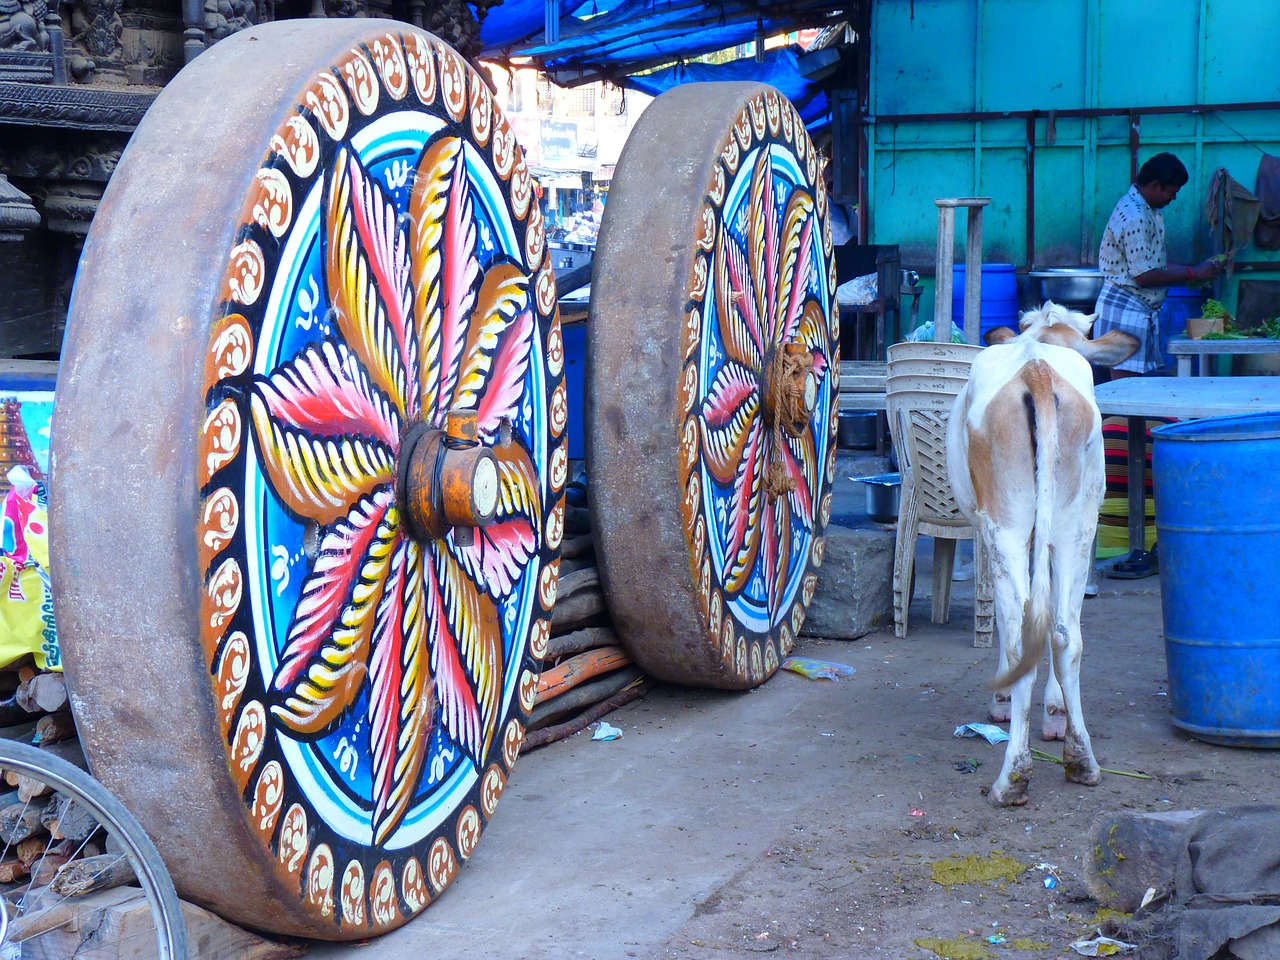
779	70
614	39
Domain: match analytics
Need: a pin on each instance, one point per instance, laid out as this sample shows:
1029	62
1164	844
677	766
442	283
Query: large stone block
1131	852
855	583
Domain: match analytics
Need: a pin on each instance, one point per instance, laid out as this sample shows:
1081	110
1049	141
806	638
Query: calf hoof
1011	794
999	711
1083	771
1054	725
1079	762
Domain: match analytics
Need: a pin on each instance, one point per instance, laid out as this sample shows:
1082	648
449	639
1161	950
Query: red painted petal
367	269
500	552
796	286
329	585
800	460
731	388
465	639
777	550
745	513
736	307
724	446
386	242
506	379
326	392
401	709
461	273
769	556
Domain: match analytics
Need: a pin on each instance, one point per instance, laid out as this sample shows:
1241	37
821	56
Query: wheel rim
384	349
736	418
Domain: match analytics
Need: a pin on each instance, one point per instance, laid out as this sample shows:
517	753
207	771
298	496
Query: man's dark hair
1163	168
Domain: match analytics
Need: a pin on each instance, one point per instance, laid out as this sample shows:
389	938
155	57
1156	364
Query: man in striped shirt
1135	268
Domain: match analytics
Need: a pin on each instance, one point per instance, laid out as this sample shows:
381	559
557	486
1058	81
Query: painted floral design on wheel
407	625
768	317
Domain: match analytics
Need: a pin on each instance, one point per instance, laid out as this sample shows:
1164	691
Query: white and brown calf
1025	458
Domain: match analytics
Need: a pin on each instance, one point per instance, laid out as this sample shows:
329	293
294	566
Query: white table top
1188	397
1185	346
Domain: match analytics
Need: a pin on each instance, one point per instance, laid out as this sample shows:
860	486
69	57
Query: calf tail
1037	612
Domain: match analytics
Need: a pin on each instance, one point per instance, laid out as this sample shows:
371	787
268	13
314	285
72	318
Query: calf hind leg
1010	788
1077	750
999	710
1054	724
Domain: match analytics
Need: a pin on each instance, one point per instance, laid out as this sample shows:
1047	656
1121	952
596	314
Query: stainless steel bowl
883	492
1068	285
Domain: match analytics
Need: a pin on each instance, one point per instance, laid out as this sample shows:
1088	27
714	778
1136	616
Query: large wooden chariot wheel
712	384
309	454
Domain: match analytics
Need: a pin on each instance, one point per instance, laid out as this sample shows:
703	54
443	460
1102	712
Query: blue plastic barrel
1218	526
999	297
1179	303
575	367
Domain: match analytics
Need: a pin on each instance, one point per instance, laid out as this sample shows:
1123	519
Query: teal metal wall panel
967	56
1147	52
1059	186
928	56
1017	75
1239	38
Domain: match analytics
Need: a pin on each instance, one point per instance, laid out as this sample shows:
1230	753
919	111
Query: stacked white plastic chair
921	386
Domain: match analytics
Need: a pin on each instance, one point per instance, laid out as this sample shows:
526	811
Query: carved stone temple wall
75	80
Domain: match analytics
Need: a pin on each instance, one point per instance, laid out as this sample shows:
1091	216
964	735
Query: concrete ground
804	817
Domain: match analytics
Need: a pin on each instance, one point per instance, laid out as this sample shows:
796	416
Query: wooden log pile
47	840
67	885
586	673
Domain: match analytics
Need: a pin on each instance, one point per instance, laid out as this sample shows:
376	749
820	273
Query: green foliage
1213	310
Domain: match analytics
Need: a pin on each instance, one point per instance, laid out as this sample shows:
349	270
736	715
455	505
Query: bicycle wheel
35	918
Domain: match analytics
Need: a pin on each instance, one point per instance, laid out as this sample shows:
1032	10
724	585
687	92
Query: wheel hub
790	388
447	479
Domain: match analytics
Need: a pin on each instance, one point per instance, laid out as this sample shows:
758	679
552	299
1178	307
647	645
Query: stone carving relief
96	25
22	26
225	17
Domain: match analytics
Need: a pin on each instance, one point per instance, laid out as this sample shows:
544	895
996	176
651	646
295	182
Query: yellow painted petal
504	292
329	685
736	310
795	263
762	240
443	268
466	655
366	263
318	477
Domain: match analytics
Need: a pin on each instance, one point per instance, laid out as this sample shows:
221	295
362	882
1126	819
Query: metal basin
857	430
1069	285
883	492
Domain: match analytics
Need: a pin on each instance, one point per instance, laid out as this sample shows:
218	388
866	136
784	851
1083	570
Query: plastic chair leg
904	556
944	562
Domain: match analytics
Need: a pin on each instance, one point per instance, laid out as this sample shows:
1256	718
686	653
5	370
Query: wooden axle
449	479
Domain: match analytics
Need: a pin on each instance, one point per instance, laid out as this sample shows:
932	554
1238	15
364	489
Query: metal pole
942	276
973	278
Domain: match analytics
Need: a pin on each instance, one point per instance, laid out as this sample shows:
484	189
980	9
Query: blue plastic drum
1217	489
999	297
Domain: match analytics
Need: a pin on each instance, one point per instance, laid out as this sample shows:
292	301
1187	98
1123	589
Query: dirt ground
806	818
859	879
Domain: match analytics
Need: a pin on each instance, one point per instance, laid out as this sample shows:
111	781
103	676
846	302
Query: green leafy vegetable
1213	310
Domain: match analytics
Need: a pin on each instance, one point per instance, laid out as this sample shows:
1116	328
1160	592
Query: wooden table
1184	348
1187	398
